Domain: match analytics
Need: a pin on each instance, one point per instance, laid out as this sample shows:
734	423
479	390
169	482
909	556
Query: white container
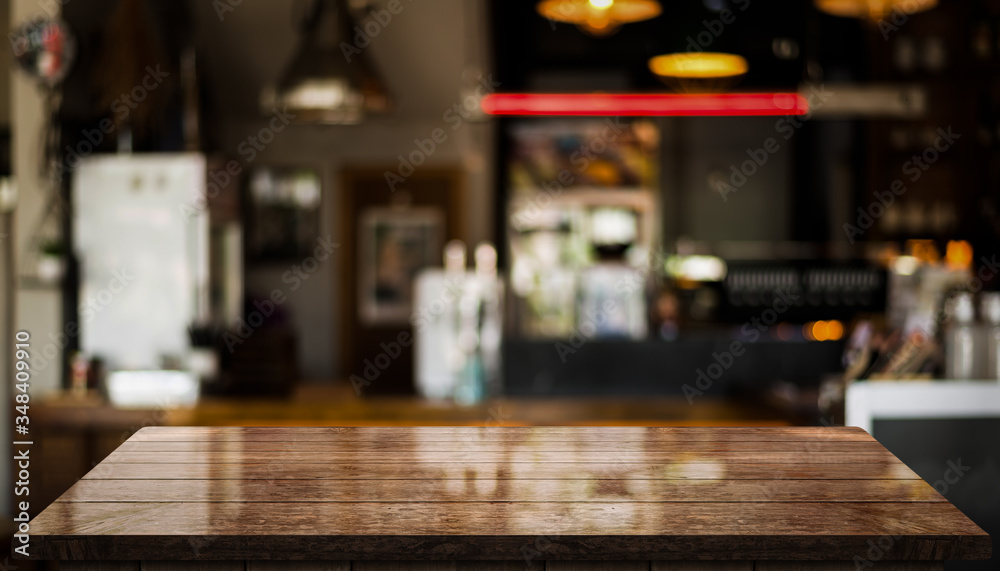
990	308
960	338
153	389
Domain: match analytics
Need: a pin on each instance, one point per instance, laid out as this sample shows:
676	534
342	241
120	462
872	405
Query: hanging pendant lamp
599	17
874	10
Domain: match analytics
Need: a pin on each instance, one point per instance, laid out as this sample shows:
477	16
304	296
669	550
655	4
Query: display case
581	223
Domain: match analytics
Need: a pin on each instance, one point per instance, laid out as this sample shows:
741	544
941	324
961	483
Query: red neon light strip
638	104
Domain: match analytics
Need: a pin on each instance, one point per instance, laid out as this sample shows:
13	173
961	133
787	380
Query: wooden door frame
345	297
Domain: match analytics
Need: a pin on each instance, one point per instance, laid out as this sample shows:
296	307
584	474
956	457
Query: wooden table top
492	492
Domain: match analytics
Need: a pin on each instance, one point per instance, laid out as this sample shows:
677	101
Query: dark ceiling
533	53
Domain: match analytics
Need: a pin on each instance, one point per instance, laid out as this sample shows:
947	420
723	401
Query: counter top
499	493
337	404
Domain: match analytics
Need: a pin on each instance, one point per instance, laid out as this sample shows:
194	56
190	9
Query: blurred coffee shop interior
519	212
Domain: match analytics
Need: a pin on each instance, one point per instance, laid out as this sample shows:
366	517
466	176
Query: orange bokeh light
818	331
834	330
958	254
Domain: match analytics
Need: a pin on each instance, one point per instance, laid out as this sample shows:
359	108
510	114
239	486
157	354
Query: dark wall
647	368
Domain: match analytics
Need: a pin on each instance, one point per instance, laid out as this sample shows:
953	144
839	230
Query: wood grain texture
298	566
583	434
459	488
471	519
404	566
453	565
193	566
513	455
100	566
701	566
597	566
679	470
585	494
498	445
443	566
847	566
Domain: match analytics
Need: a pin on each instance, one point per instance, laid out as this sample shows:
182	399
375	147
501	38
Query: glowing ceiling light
698	65
599	17
874	10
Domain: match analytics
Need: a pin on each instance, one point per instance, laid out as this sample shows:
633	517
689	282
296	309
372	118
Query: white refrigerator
141	235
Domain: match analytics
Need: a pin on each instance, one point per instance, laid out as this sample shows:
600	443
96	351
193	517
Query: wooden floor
504	493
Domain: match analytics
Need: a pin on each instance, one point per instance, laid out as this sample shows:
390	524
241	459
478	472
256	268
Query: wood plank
489	566
515	456
484	490
701	566
440	566
234	565
97	566
259	565
404	566
310	537
627	494
826	520
580	447
449	434
847	566
597	565
503	471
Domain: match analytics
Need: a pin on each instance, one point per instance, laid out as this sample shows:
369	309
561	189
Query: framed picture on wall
394	245
283	213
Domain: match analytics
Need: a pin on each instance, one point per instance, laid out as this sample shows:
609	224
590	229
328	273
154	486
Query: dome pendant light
699	72
599	17
320	85
873	10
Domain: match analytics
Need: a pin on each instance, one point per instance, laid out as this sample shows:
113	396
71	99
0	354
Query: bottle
79	370
990	307
959	345
438	360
